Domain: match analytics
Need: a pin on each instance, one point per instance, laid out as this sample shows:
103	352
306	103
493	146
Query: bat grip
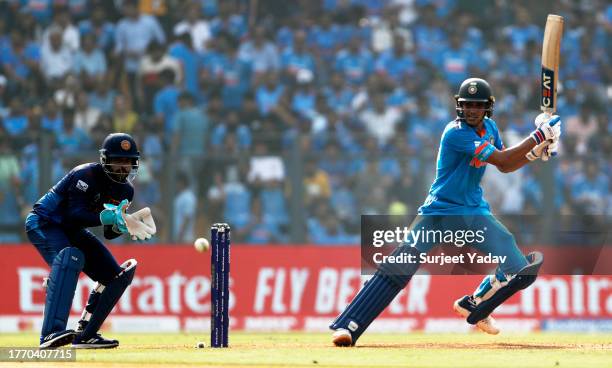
555	120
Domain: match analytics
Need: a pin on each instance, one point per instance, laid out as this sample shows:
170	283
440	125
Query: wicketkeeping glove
140	224
111	215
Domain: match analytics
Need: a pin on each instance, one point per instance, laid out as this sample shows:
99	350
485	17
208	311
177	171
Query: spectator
20	59
297	57
198	28
229	21
456	62
260	52
380	121
189	59
354	62
151	65
89	61
190	136
16	124
184	214
388	33
265	167
236	77
86	115
397	63
237	204
316	183
124	118
99	26
56	58
268	95
72	139
259	231
165	103
103	96
233	126
133	35
191	126
273	204
68	33
523	31
589	188
52	120
582	127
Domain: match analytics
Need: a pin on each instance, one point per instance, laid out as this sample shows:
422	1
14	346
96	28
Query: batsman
455	199
90	195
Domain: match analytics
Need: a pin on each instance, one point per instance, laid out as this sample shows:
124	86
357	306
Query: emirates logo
125	145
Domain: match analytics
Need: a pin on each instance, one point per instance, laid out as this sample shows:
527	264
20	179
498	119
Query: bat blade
551	47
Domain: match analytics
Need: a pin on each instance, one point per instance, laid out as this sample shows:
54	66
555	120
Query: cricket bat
550	63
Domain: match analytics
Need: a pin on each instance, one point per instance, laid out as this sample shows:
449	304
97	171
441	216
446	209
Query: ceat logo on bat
548	80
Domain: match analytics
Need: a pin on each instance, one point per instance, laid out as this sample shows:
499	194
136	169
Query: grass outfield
315	350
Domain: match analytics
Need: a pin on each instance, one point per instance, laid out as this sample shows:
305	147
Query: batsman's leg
497	288
373	298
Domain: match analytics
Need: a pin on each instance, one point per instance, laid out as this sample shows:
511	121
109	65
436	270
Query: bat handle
555	120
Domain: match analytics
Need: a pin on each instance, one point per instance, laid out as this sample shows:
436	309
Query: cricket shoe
464	306
94	342
57	339
342	337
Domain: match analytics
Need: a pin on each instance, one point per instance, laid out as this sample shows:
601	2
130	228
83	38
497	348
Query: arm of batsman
140	224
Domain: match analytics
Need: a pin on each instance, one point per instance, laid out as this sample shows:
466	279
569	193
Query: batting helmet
119	145
475	90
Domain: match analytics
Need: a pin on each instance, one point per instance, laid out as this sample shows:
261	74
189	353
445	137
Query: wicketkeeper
89	195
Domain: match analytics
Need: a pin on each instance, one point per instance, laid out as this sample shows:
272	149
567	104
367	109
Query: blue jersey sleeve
467	142
499	144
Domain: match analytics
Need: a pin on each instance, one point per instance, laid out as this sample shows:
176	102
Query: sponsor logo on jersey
81	185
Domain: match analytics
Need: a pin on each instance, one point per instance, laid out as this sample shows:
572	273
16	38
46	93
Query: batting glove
549	128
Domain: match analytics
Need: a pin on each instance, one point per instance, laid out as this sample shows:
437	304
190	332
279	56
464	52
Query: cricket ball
201	244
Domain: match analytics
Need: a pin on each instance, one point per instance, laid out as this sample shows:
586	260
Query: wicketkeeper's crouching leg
60	285
99	305
373	298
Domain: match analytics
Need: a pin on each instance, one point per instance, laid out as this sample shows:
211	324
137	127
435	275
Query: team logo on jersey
492	140
81	185
472	89
125	145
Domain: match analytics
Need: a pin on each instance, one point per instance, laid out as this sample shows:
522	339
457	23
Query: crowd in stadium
228	91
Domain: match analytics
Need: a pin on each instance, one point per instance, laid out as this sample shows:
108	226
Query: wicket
219	275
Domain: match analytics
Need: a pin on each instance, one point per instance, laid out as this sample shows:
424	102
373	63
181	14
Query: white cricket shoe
465	305
342	337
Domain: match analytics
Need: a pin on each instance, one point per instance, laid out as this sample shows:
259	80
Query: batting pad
109	297
61	285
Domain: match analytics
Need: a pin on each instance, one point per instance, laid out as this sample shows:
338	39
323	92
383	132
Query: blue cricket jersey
460	167
78	198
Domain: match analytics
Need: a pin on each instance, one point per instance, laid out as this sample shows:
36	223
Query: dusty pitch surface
472	350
